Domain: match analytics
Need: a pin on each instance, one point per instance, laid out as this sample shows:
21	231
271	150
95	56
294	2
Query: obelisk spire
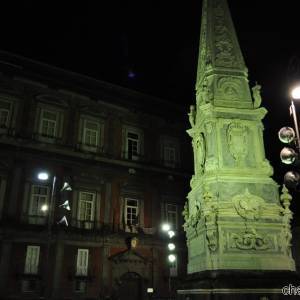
233	218
222	73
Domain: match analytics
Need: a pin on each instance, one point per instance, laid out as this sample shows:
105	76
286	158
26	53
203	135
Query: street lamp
167	228
288	135
44	176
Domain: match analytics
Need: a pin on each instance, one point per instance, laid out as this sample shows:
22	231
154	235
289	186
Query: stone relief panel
229	88
248	206
250	240
238	141
227	190
227	53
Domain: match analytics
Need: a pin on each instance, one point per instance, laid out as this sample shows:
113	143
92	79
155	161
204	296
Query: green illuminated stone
233	216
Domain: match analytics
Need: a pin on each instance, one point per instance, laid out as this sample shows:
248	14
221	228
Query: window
82	262
169	155
131	211
86	209
91	132
171	215
32	260
5	112
132	143
170	151
48	123
39	197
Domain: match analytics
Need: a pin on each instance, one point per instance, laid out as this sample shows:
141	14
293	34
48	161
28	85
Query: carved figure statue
256	95
192	115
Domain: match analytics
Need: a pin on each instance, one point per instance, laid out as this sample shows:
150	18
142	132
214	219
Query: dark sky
158	41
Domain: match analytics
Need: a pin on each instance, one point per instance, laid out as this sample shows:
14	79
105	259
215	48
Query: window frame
28	266
56	123
139	142
167	212
84	133
9	113
82	271
82	130
126	206
168	142
86	223
39	217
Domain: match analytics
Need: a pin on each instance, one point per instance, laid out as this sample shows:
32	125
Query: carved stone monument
236	227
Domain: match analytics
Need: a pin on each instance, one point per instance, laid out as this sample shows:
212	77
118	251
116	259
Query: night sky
152	46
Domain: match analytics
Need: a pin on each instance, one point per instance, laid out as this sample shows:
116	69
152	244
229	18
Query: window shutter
82	262
32	260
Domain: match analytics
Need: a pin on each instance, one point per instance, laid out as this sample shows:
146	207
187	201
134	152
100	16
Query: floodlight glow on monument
43	176
288	155
171	258
165	227
286	135
296	93
291	179
171	246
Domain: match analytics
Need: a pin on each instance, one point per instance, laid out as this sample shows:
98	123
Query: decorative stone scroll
210	212
249	240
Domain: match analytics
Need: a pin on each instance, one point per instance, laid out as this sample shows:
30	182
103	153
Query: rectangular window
82	262
48	123
39	196
86	209
91	133
5	112
131	211
171	215
170	151
133	146
32	260
169	156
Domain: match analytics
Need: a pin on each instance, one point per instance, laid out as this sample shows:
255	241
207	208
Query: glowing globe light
291	179
44	207
286	135
165	227
171	258
171	233
296	93
43	176
171	246
288	155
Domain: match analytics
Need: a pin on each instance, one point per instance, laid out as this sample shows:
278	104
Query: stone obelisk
235	220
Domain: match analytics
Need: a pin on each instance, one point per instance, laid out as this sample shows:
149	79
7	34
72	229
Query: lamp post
288	135
44	176
171	247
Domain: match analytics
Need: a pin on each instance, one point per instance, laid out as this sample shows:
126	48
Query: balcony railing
33	222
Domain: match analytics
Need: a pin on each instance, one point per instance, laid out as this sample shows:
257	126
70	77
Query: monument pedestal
236	285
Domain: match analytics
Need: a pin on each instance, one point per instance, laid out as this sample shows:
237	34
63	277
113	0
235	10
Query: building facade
126	157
